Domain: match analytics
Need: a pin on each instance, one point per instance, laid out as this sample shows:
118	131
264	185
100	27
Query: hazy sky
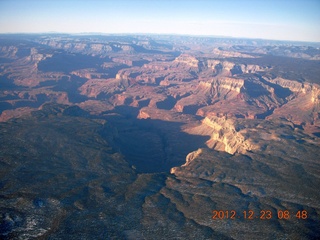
270	19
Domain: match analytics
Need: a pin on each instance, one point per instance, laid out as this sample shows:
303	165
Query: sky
297	20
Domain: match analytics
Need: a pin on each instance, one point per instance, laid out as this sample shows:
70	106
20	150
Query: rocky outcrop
225	135
190	157
203	93
294	86
96	107
311	89
223	86
303	105
188	60
24	70
15	113
143	115
8	51
103	87
231	68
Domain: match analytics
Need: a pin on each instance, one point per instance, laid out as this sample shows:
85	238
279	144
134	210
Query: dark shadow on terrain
191	109
151	145
70	86
317	134
239	116
254	89
265	114
139	63
278	90
144	103
158	80
125	111
111	72
5	60
140	49
67	62
41	99
167	104
286	67
23	52
7	83
236	70
5	106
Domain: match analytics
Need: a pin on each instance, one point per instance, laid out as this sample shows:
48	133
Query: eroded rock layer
162	137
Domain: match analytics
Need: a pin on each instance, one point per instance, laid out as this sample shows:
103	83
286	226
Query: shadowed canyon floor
138	137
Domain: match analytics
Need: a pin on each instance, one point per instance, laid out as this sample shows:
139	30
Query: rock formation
146	137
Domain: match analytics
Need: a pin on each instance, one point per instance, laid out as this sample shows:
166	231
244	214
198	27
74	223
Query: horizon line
157	34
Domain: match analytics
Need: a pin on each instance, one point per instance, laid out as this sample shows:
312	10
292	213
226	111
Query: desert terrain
158	137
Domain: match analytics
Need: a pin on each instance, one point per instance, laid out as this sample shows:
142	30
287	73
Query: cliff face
188	60
294	86
308	89
302	107
244	136
223	86
231	68
225	134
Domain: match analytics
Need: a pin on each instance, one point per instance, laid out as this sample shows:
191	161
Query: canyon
144	137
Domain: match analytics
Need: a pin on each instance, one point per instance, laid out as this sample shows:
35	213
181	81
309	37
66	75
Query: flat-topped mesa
233	68
228	54
88	48
187	59
97	88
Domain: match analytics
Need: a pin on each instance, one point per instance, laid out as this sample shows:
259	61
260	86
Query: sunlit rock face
145	137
